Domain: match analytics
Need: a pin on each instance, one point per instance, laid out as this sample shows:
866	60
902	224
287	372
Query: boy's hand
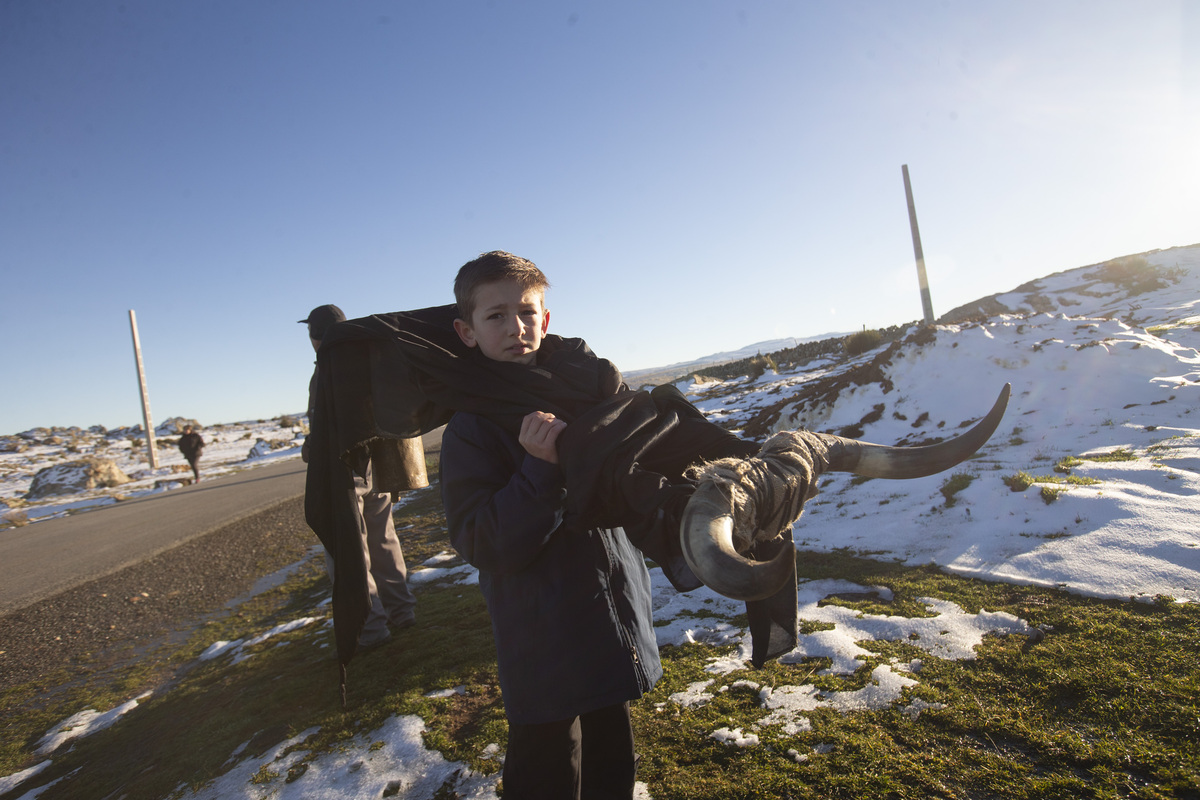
539	435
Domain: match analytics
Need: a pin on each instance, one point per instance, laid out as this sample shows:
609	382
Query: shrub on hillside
955	484
1135	274
861	342
760	364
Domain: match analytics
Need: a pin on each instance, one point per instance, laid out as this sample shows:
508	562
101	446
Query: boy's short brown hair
489	268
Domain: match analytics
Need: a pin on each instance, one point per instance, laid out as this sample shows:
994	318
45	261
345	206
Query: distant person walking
191	445
392	602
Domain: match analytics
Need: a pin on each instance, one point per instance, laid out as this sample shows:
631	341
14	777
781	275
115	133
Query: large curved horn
881	461
706	531
707	539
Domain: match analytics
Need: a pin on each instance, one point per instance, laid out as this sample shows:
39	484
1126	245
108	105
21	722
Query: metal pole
151	448
926	301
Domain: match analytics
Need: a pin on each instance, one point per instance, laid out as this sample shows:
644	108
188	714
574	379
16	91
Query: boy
570	604
623	454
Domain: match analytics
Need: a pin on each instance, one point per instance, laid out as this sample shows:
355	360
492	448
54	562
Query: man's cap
322	317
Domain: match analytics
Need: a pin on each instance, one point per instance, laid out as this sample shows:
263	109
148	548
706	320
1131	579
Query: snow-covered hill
1104	419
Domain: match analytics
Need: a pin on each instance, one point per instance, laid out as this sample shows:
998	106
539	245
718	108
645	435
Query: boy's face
508	322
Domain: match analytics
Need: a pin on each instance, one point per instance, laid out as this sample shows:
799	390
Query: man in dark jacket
191	445
392	604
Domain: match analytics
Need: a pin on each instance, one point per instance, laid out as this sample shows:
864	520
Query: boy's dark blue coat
570	607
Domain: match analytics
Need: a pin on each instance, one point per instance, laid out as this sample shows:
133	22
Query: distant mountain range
672	372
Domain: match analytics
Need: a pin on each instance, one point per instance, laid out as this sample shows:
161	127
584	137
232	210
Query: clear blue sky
693	176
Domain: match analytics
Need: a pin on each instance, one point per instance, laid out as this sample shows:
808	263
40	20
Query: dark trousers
589	757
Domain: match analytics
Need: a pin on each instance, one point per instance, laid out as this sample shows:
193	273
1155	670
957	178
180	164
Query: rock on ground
75	476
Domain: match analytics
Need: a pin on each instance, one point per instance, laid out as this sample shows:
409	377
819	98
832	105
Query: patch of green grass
1105	706
186	732
873	603
189	732
1066	464
1015	439
1073	480
1019	482
1023	480
1049	493
955	484
1072	716
1120	454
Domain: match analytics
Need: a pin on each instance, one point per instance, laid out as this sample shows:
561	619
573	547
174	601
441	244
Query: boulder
175	425
125	433
75	476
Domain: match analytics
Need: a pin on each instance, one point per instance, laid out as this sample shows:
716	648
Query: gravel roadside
112	619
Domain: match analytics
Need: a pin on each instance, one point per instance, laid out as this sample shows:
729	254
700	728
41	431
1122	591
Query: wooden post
926	301
151	447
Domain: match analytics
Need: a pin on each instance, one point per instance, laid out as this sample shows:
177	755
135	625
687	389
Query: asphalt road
40	560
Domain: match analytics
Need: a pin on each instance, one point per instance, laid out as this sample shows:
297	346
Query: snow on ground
1106	387
228	448
393	759
401	767
1129	528
84	723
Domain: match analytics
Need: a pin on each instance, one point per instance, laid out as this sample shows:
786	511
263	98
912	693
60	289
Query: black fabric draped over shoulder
396	376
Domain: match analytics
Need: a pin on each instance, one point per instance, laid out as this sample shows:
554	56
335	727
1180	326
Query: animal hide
394	376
